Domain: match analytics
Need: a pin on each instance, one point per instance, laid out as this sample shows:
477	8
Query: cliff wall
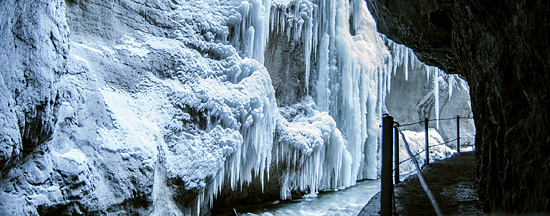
502	49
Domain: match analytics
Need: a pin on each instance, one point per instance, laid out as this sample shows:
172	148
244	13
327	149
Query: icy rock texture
327	136
32	62
502	51
412	97
160	107
130	107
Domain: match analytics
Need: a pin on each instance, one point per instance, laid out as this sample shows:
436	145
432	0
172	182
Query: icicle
451	83
427	69
413	58
406	62
323	90
436	94
307	51
283	23
346	64
250	35
397	59
256	18
388	74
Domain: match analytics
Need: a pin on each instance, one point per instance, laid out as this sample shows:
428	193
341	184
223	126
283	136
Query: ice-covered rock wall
160	107
342	58
413	97
127	107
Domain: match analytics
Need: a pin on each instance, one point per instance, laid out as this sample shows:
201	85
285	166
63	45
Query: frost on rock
222	128
331	140
170	105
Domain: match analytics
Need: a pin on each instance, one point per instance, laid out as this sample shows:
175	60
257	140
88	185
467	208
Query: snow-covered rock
412	97
160	107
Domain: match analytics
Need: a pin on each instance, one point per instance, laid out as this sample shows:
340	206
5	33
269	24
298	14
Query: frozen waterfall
329	140
179	107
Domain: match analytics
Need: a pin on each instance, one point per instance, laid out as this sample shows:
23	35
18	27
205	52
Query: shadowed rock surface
503	51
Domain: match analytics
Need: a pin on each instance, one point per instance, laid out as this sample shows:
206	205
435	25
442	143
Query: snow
213	121
87	47
133	47
416	144
80	59
135	129
74	155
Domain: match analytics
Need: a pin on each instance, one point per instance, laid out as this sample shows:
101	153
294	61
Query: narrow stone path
452	181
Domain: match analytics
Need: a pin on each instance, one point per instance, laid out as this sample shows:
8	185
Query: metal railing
390	136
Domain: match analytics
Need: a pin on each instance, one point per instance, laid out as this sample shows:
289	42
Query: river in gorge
348	201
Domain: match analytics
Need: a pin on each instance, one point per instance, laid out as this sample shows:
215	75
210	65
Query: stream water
343	202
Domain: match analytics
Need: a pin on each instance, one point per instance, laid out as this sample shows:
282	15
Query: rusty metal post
427	142
458	134
386	180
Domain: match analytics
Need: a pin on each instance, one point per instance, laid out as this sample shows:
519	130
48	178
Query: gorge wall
503	51
162	107
175	107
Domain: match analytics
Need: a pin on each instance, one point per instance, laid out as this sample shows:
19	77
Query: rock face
159	107
117	107
284	62
502	49
32	62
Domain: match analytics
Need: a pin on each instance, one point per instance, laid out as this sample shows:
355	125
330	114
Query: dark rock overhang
424	26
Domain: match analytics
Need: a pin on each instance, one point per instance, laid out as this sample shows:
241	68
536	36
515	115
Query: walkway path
452	181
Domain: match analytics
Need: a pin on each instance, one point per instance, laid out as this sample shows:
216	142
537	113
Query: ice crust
212	121
328	141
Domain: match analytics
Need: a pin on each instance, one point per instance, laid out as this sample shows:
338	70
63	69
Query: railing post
427	142
386	177
396	155
458	133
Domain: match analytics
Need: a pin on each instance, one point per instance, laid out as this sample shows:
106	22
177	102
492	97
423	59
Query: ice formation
331	140
211	119
405	57
345	84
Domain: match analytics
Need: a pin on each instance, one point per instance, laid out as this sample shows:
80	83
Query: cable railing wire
442	119
415	161
420	177
423	150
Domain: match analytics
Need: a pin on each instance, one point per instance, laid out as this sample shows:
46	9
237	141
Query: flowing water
343	202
